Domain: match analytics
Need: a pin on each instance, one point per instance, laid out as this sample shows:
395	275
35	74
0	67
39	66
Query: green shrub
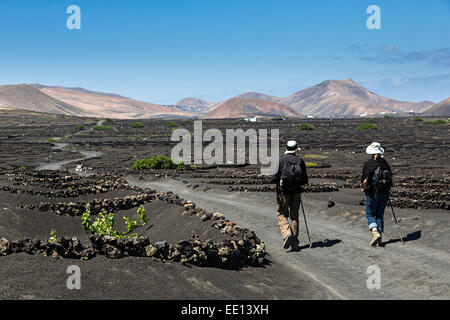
366	126
439	121
53	140
137	125
171	124
103	128
371	120
142	214
310	164
315	157
52	236
157	162
131	224
306	126
104	223
109	120
417	119
79	127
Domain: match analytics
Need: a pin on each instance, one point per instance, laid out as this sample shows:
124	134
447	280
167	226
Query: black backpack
382	180
291	177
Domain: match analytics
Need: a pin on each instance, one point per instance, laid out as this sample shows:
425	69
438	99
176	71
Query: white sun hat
375	148
291	147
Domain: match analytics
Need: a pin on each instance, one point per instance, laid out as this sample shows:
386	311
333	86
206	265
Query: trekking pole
396	222
277	186
304	216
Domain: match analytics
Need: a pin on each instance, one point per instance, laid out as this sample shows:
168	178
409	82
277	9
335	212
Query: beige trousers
288	205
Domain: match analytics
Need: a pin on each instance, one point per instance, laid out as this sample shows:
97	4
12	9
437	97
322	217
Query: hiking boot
380	241
288	241
376	238
295	244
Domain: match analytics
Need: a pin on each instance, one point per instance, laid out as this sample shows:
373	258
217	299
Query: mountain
342	98
421	106
334	98
245	107
26	97
258	96
442	109
98	104
195	103
82	90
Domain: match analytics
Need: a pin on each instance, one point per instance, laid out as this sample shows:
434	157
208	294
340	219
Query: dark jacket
291	159
369	170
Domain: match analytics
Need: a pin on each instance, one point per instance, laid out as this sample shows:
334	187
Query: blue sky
164	50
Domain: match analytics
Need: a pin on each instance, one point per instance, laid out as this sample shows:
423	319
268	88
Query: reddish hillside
244	107
26	97
442	109
344	98
98	104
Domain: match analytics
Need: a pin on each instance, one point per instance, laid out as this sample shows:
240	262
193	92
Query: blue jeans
375	205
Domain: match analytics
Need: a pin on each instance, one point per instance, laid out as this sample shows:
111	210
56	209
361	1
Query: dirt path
58	145
340	256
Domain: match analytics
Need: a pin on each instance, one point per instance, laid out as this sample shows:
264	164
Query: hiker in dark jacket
376	196
291	175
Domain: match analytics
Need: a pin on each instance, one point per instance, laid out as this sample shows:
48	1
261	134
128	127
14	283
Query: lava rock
112	252
4	247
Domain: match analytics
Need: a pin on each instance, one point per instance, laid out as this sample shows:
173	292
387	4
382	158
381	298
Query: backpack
382	180
290	178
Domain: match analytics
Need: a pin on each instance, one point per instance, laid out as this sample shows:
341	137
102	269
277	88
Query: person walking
289	178
376	182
